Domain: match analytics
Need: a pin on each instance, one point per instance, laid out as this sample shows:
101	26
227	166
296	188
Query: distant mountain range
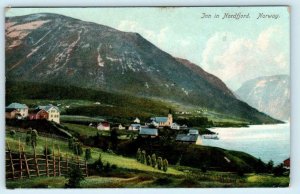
268	94
59	50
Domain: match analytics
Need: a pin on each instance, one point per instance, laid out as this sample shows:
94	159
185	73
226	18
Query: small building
163	121
175	126
12	113
137	120
193	132
286	163
103	126
148	132
189	139
53	112
121	127
134	127
22	109
37	114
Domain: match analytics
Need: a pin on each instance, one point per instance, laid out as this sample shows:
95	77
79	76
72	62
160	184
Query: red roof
286	162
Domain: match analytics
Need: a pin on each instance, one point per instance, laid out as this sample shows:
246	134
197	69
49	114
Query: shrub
278	170
98	164
143	157
12	133
78	149
34	135
75	176
71	143
107	167
165	165
114	166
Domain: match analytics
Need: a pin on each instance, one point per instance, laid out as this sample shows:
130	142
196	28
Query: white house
175	126
53	111
103	126
134	127
189	139
137	120
120	127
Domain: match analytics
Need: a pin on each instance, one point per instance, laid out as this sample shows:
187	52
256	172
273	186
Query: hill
92	56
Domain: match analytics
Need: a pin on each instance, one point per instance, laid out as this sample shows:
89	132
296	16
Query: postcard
147	97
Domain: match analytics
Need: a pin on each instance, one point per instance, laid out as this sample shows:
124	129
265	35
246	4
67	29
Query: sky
235	50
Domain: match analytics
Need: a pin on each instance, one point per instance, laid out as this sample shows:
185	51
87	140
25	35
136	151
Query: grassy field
120	161
81	129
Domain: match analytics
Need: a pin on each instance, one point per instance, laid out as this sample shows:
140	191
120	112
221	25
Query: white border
295	90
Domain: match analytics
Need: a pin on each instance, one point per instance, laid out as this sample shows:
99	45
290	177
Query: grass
81	129
267	180
120	161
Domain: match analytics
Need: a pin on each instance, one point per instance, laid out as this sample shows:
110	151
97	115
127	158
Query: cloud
237	59
157	37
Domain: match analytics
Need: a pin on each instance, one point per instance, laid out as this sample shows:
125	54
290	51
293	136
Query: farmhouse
53	112
134	127
103	126
286	163
193	132
175	126
137	120
163	121
22	109
37	114
189	139
148	132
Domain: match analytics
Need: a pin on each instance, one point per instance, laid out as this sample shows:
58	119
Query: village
149	129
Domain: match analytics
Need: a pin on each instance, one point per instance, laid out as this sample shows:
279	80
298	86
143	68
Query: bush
75	176
143	157
278	170
71	143
34	135
114	166
12	133
78	149
107	167
98	164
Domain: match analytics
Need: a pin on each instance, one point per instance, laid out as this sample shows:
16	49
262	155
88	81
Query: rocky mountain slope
268	94
59	50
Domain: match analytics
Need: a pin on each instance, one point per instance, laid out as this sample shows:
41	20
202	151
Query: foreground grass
120	161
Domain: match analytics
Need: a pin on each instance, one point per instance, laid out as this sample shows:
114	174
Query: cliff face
268	94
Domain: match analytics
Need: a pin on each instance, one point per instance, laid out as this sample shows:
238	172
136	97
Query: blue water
268	142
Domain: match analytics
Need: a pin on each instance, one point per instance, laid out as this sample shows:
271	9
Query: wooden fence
20	165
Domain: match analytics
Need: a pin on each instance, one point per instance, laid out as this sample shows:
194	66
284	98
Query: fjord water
267	142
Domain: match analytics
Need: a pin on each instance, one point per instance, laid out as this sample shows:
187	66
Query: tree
165	165
88	154
78	149
107	167
159	163
153	160
270	166
149	161
143	158
99	164
28	138
138	155
75	176
34	135
71	143
114	138
278	170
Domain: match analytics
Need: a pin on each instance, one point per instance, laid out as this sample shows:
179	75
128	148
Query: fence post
26	162
46	154
36	162
11	161
20	160
53	159
59	170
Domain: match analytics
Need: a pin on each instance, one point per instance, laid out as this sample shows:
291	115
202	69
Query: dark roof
48	107
34	111
186	138
10	109
148	131
193	132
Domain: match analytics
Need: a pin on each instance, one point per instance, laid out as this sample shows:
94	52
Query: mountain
268	94
59	50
